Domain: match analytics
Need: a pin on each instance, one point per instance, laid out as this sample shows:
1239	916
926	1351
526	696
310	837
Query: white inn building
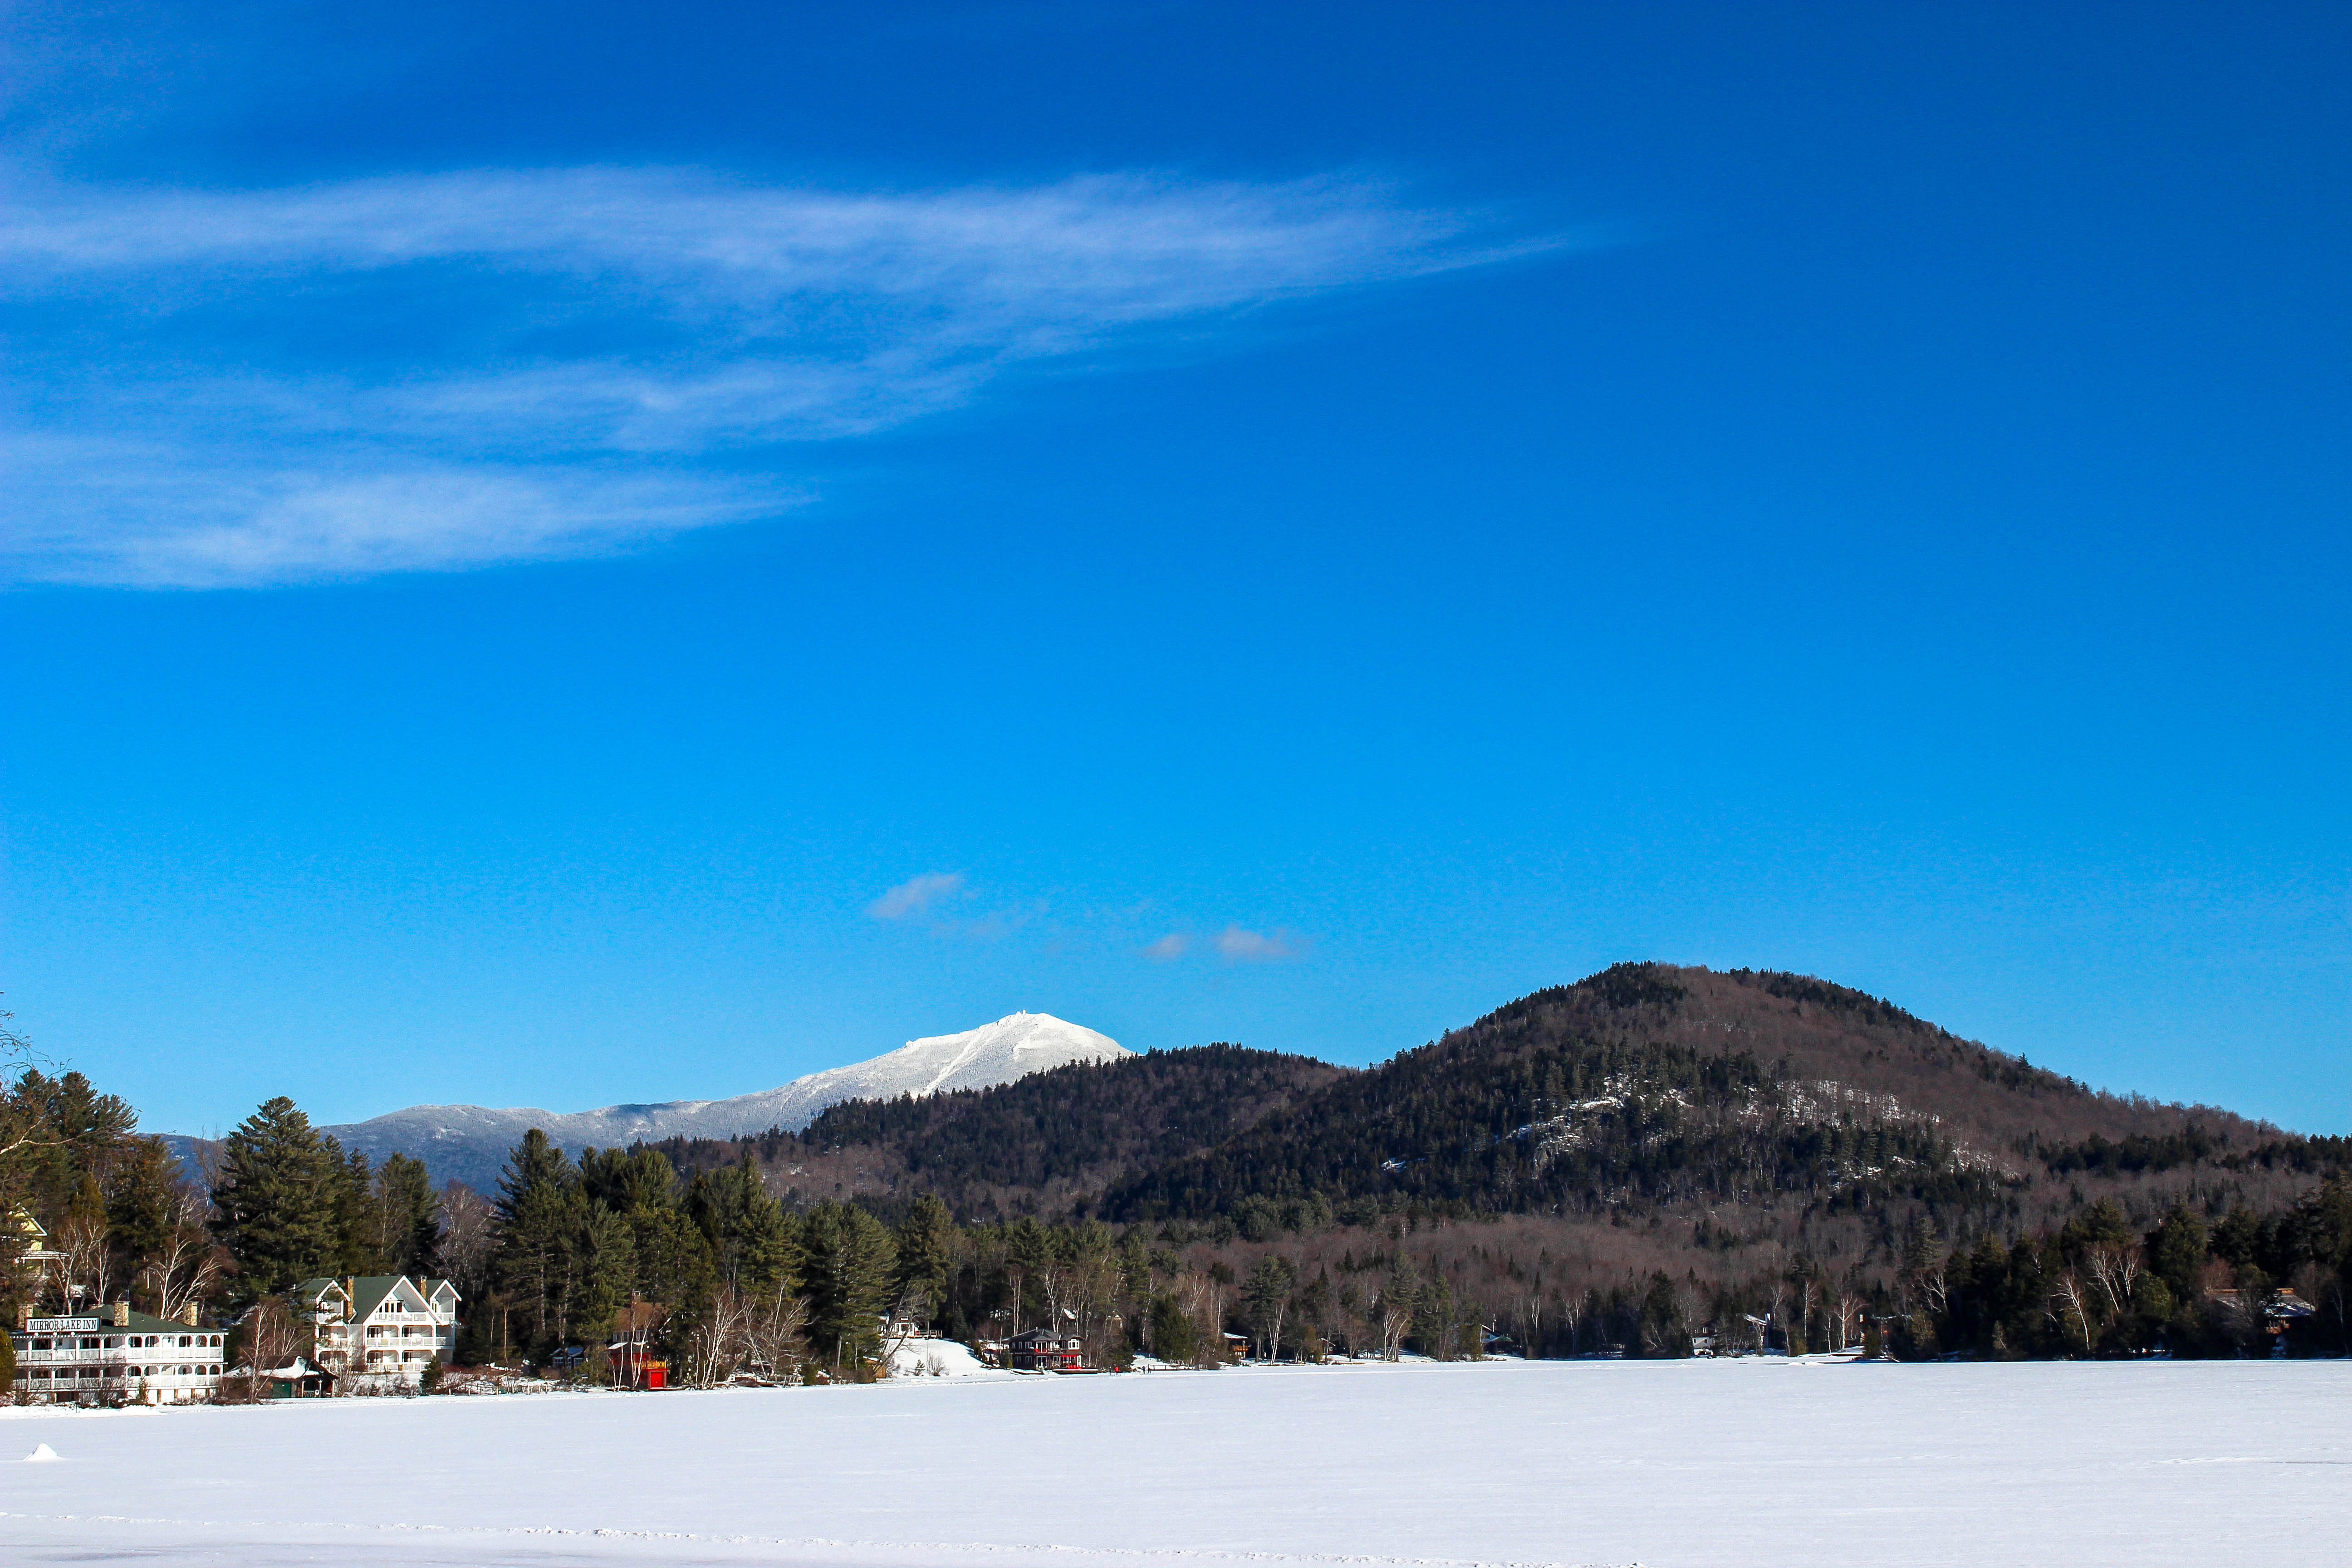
116	1356
384	1325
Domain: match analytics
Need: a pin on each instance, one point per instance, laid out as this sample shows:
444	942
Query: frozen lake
1661	1463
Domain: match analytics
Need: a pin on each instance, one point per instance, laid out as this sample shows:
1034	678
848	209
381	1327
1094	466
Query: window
115	1343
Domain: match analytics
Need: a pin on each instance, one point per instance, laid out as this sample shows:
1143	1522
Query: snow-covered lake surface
1659	1463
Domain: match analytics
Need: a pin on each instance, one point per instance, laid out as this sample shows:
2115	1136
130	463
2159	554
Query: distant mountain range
470	1142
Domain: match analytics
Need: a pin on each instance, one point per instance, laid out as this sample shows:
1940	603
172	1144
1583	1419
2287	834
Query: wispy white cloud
916	895
435	371
1169	947
1236	945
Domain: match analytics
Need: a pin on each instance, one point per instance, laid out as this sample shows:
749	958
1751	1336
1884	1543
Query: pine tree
358	1236
750	1242
673	1264
274	1201
142	1194
408	1217
851	1264
626	1179
540	1210
1174	1336
926	1239
2177	1252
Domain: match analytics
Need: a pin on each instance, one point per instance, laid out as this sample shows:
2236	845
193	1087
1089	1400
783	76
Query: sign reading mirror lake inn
117	1355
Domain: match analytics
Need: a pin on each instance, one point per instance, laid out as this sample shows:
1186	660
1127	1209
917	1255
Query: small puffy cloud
1169	947
915	895
1236	945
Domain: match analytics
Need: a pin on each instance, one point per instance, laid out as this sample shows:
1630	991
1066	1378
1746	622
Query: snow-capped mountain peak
470	1142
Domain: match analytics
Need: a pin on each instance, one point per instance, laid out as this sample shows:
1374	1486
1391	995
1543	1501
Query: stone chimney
188	1314
122	1314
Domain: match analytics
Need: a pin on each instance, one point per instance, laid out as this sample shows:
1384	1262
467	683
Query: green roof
368	1290
137	1324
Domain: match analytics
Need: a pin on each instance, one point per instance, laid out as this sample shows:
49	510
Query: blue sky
601	553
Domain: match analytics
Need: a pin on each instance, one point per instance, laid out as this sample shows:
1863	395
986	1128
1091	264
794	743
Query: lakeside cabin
116	1356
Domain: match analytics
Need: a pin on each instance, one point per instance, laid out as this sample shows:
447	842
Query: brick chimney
122	1314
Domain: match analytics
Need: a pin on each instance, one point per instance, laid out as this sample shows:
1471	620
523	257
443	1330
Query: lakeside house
1043	1349
116	1356
380	1325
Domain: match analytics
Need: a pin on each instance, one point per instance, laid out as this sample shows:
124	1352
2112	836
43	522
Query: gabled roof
370	1291
312	1290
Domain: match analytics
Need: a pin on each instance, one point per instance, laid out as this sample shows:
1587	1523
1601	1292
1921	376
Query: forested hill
1044	1145
1645	1086
1757	1101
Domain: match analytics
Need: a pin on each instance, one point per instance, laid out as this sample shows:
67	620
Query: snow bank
940	1358
1749	1464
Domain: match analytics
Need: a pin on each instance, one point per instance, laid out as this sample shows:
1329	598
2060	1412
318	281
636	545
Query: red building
634	1366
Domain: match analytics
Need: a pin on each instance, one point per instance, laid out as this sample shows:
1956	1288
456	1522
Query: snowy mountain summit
470	1142
1012	1047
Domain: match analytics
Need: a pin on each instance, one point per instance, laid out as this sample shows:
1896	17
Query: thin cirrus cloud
447	370
915	896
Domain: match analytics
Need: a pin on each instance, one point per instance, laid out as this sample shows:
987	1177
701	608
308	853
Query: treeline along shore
1653	1161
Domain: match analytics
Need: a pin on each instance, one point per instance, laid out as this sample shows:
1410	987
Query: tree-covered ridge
1565	1100
1052	1134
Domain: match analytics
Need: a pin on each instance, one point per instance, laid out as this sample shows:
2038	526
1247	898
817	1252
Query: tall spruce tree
274	1201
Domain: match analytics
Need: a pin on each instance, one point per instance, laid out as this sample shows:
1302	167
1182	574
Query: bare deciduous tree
1848	1311
2070	1307
189	1262
2117	1269
84	1268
